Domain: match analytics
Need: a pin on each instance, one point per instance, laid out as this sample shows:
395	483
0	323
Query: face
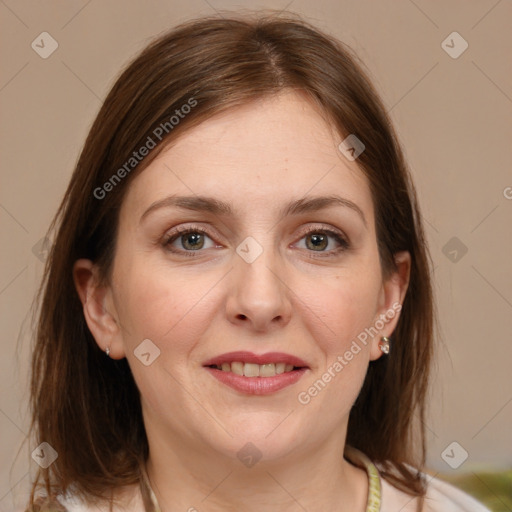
252	234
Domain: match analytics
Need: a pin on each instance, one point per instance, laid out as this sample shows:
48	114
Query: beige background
454	118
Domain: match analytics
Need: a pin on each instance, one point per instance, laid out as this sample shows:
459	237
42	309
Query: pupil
193	241
318	241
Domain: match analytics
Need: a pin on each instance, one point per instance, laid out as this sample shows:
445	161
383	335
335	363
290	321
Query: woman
237	312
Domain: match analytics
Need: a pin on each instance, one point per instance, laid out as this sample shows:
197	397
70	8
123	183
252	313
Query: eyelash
180	231
338	237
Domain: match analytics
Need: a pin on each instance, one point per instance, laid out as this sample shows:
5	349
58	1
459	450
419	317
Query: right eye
188	240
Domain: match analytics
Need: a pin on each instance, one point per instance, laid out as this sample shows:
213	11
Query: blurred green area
493	489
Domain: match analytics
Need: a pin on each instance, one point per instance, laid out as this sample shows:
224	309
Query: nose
259	297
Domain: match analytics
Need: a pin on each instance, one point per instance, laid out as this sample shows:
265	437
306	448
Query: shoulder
129	500
73	503
440	497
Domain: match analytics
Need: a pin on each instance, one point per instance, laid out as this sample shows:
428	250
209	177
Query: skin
290	299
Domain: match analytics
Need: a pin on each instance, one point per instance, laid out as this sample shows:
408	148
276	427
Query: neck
195	478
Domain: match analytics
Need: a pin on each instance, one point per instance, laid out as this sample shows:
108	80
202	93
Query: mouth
254	374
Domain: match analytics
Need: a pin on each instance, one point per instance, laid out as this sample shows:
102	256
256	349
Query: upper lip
250	357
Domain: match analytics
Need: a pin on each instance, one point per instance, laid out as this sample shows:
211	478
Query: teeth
256	370
251	370
280	368
237	368
267	370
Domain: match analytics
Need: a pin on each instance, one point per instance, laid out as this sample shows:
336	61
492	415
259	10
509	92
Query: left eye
323	241
191	240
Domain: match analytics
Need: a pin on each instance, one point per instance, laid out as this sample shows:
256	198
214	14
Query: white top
441	497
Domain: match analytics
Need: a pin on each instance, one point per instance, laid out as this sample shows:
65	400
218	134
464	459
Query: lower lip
257	385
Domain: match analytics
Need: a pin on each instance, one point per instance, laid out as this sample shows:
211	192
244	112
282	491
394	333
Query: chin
264	436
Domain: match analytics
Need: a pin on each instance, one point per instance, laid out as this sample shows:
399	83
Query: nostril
242	317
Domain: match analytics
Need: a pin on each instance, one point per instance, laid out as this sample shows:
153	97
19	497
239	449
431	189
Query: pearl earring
384	344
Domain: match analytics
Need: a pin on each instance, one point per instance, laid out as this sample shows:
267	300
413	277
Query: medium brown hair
87	406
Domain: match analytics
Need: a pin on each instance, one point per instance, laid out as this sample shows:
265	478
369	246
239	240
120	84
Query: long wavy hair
87	406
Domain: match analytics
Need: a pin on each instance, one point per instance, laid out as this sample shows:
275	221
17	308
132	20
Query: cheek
335	318
171	308
340	310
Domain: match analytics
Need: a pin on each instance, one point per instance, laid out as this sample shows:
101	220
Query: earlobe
98	308
393	292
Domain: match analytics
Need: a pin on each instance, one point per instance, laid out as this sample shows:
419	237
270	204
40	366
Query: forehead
274	149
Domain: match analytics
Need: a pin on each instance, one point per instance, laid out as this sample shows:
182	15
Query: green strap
374	486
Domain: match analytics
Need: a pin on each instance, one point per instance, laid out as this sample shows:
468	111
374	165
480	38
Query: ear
98	307
391	298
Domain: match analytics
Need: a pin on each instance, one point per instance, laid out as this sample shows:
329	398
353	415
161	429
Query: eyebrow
217	207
